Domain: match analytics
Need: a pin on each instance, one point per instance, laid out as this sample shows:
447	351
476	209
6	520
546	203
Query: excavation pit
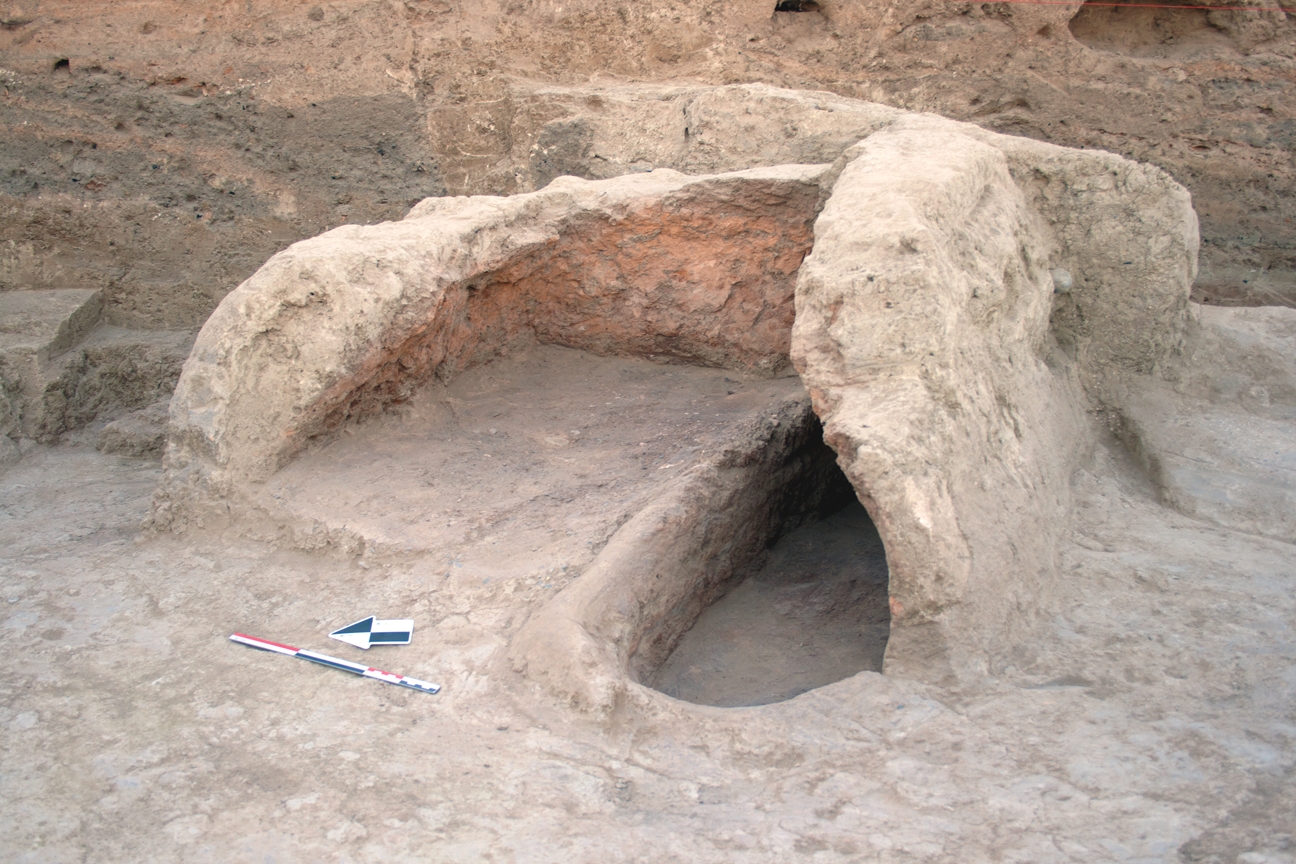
814	612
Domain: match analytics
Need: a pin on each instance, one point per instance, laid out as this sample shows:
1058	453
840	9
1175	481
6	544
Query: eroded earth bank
163	152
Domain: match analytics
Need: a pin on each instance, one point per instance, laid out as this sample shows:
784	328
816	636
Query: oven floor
815	613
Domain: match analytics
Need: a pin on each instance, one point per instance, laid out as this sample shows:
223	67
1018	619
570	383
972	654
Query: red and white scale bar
344	665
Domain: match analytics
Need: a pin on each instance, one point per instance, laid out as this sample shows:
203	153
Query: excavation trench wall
968	298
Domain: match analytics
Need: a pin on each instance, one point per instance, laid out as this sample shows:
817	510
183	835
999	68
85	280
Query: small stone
1062	281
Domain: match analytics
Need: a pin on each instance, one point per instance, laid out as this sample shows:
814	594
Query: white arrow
372	631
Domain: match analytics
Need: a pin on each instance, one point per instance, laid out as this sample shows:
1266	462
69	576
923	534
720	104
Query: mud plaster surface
814	613
1154	718
523	465
1153	722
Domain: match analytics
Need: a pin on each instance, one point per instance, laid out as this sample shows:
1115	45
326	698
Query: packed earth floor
1152	721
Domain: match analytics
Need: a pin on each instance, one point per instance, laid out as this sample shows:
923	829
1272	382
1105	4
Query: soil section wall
161	152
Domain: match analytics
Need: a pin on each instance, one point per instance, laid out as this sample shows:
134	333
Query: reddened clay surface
340	326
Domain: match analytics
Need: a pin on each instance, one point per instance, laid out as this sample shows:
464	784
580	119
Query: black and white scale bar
344	665
372	631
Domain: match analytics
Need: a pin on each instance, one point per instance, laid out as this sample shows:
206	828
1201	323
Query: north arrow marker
373	631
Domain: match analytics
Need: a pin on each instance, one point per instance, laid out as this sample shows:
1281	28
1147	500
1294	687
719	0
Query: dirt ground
1151	722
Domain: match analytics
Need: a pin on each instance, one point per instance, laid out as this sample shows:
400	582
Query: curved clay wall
967	299
695	269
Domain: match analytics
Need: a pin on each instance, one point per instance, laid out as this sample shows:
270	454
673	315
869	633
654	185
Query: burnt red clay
701	277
